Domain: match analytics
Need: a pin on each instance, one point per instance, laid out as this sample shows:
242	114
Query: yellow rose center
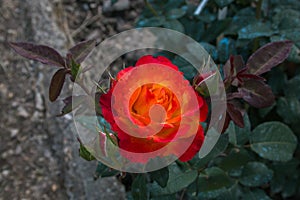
149	100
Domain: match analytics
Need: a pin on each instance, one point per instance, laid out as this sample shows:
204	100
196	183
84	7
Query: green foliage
255	174
255	158
139	188
255	194
104	171
274	141
85	154
177	181
239	136
213	182
161	176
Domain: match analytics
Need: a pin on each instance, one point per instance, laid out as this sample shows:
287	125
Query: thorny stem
182	194
197	183
258	9
150	7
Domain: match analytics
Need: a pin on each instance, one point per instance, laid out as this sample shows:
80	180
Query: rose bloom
141	100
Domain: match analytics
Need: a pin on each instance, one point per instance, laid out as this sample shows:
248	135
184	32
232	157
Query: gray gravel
38	151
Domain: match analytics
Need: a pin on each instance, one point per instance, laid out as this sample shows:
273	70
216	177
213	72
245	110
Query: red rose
138	111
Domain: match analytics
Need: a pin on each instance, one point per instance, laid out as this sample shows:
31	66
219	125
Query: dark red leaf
41	53
226	123
242	70
251	76
234	95
227	69
257	93
269	56
238	63
234	64
235	113
81	50
69	59
57	83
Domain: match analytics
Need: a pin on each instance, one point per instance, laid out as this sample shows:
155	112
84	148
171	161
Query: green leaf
286	19
161	176
268	56
277	80
223	3
188	70
174	25
211	50
294	55
178	180
213	182
239	136
165	197
292	88
263	112
206	16
289	188
243	18
289	109
139	188
175	13
215	30
84	153
255	195
231	193
255	174
277	183
235	160
226	47
255	30
219	147
274	141
41	53
75	69
151	22
57	83
170	4
104	171
281	175
194	28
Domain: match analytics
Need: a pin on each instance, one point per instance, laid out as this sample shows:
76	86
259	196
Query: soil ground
38	152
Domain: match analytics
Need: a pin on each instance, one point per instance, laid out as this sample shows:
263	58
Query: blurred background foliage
261	160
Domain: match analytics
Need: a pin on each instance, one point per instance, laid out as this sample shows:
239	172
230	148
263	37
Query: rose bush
140	104
251	158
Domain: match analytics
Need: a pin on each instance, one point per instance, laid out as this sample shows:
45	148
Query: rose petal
122	72
160	60
140	104
194	147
